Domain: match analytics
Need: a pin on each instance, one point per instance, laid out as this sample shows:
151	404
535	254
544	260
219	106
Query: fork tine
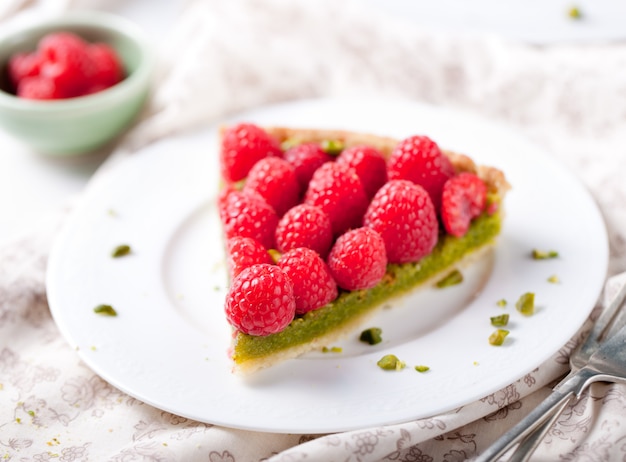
609	322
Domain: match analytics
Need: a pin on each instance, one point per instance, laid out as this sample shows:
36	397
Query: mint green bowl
83	124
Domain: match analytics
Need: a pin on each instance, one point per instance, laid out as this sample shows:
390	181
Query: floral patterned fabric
227	56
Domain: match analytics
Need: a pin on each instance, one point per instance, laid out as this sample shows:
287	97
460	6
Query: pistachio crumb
93	348
1	386
120	251
371	335
334	349
18	420
105	310
476	363
31	413
501	303
497	337
289	143
574	13
454	278
500	320
391	363
544	254
332	147
554	279
422	368
274	255
526	304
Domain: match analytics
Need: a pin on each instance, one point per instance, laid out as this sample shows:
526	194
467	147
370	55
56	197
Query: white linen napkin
226	56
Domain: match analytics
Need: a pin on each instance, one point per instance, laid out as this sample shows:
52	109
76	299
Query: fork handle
526	448
570	387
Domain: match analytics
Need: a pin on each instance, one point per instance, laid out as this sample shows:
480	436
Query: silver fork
601	357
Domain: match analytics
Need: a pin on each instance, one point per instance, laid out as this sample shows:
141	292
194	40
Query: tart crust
328	324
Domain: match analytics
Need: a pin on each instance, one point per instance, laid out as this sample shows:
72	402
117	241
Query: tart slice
323	227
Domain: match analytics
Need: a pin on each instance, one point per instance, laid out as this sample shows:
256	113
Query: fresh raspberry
66	63
403	213
305	226
313	286
274	179
369	164
358	259
107	67
338	191
419	159
305	159
38	88
243	145
23	65
261	300
464	197
247	214
243	252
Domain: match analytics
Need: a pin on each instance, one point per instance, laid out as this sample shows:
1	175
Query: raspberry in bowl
72	83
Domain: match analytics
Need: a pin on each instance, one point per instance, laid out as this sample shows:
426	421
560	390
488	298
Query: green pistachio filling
343	311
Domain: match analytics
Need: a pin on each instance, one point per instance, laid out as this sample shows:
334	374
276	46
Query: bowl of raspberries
73	83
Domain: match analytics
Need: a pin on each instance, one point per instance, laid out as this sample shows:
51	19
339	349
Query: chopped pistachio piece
31	413
373	335
332	349
105	310
574	13
391	363
501	303
120	251
421	368
455	277
289	143
274	255
544	254
554	279
526	304
332	147
499	321
498	336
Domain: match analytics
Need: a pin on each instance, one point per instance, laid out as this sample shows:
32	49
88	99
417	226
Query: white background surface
32	186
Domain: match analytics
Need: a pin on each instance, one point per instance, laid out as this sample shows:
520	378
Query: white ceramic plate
168	345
